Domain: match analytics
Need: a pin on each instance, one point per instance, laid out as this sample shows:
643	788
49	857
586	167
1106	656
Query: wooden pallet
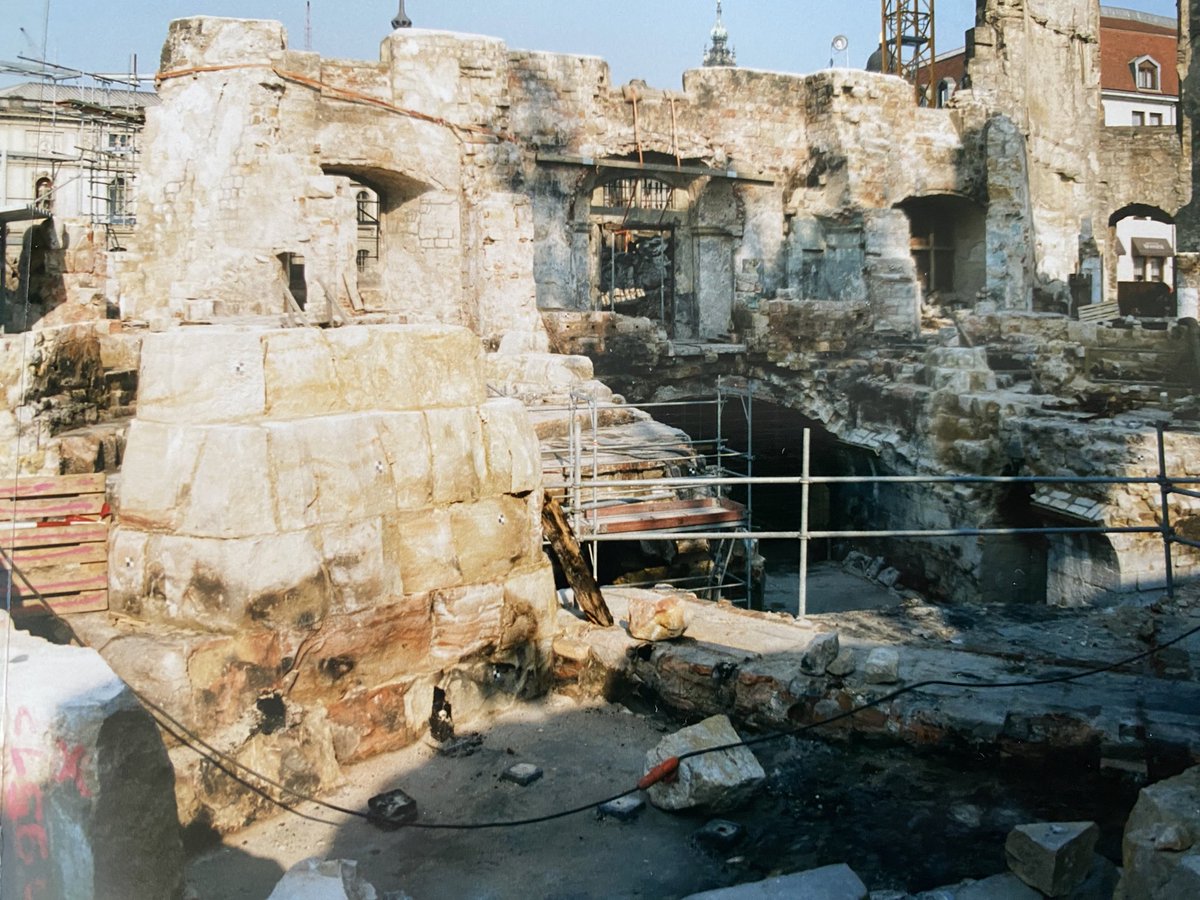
54	539
1099	312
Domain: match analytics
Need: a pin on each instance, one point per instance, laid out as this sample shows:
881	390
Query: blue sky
655	40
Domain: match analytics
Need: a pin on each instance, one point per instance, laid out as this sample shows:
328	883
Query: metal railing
1166	484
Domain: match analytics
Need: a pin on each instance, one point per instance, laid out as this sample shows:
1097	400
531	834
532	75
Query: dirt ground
901	820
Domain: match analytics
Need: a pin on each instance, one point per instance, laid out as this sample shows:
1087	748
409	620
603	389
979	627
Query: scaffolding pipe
1165	491
883	533
802	608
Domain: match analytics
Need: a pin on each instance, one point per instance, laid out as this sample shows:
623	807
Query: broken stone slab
888	577
827	883
716	781
319	879
1054	857
820	653
653	617
1162	831
89	793
882	666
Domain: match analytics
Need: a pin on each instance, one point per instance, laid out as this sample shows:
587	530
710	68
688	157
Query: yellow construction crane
907	43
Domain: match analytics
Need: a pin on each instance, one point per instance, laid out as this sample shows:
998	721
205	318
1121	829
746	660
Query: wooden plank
1099	312
54	535
51	508
53	486
578	575
90	601
67	554
62	579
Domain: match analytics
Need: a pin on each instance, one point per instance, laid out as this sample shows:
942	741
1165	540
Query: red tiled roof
1124	40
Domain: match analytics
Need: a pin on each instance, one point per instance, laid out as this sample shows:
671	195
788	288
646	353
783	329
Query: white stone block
1054	857
714	782
655	617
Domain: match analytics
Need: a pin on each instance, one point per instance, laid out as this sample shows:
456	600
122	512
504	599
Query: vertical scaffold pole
802	609
1164	487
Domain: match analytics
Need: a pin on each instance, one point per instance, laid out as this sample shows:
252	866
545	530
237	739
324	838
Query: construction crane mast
908	45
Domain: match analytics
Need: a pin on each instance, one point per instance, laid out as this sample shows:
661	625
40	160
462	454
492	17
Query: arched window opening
944	92
636	193
366	215
1143	240
43	195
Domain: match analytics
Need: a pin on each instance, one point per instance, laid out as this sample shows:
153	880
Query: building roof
1126	35
113	98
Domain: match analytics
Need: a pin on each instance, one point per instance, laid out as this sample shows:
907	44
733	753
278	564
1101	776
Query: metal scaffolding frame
908	43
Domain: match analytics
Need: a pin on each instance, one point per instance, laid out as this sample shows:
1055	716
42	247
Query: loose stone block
882	666
623	809
523	774
89	803
1054	857
845	663
653	617
318	879
712	781
820	654
1163	830
827	883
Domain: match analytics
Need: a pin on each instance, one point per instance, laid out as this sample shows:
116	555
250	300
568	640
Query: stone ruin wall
319	536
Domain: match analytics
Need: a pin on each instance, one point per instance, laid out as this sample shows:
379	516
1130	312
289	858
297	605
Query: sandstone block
317	879
1054	857
493	536
820	653
882	666
466	621
827	883
458	454
715	782
422	544
514	463
89	805
406	443
653	617
201	376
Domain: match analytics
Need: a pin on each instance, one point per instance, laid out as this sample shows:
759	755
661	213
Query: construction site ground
918	796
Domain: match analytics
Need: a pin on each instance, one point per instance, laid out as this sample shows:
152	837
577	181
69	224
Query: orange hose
664	771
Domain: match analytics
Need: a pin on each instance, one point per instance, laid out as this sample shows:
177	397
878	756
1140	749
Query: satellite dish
840	43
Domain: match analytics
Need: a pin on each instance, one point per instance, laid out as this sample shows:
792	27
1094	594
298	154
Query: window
1146	72
43	195
118	202
640	193
1155	118
1139	117
368	208
1154	268
120	143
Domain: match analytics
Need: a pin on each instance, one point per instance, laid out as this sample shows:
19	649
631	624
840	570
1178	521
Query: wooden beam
52	536
653	168
51	507
566	551
53	486
90	601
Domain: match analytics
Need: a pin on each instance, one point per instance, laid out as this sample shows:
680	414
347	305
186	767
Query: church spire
402	20
719	53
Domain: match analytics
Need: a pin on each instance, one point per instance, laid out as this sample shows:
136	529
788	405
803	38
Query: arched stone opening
949	247
1141	260
392	242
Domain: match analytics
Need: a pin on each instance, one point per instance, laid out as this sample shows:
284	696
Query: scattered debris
459	747
713	781
523	774
827	883
623	809
820	653
392	809
1054	857
318	879
882	666
654	617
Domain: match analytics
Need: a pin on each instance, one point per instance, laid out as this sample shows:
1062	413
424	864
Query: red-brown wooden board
59	565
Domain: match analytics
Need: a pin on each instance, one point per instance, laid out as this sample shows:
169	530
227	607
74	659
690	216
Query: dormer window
1146	73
